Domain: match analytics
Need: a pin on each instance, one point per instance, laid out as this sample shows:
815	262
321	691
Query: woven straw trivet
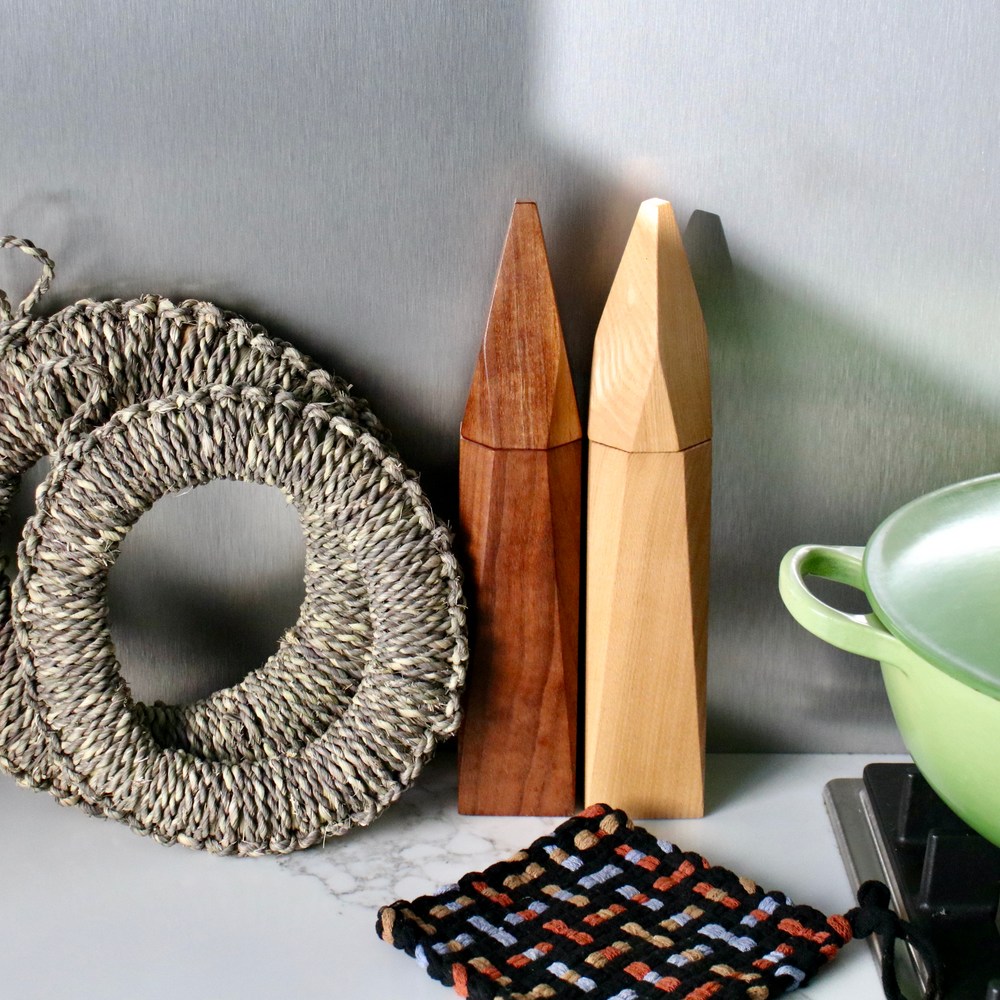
136	399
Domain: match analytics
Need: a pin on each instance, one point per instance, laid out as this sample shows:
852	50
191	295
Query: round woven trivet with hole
137	399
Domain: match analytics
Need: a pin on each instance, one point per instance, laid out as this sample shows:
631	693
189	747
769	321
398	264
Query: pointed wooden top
522	392
649	390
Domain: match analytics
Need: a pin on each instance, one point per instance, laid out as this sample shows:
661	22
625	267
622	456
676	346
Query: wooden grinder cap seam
522	392
650	391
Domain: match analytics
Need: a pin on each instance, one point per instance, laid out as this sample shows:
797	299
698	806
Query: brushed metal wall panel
207	582
848	151
344	173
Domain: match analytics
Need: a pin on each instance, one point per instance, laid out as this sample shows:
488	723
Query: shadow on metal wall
345	177
820	433
344	174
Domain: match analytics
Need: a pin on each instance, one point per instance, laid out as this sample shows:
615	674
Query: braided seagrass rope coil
136	399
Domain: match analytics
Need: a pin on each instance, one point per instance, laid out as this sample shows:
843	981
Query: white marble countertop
90	911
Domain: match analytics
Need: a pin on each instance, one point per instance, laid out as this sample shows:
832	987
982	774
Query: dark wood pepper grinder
520	495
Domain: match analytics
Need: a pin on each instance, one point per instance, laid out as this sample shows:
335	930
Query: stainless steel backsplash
344	174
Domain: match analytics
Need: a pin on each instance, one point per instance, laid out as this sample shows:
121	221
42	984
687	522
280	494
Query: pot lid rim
984	678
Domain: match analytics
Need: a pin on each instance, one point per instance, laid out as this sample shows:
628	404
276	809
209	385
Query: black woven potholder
602	910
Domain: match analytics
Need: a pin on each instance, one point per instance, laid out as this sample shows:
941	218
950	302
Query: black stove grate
944	877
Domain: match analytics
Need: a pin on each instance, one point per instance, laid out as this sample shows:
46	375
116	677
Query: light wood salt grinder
648	509
519	518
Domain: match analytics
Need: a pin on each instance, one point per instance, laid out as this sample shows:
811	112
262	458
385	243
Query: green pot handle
861	634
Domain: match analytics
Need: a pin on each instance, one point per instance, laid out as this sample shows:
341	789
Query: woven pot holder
602	910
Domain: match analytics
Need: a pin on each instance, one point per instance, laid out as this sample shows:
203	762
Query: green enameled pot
931	572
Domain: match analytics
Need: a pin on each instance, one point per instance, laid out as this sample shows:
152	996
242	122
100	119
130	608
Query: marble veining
416	846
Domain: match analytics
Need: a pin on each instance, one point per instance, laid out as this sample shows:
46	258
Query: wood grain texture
650	389
520	527
648	532
522	392
519	521
647	618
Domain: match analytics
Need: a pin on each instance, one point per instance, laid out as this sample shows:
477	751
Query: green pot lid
932	574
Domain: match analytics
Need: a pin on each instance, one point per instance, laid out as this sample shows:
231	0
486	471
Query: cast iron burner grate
944	877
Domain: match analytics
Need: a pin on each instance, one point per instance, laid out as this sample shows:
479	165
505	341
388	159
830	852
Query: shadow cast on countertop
729	776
